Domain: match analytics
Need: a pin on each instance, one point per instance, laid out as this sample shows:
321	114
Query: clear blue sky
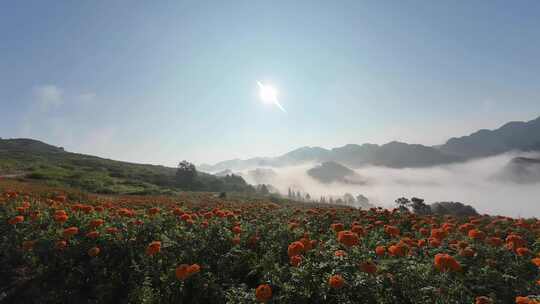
162	81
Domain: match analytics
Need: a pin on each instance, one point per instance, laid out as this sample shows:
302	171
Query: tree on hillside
349	199
419	207
263	189
186	174
453	208
403	204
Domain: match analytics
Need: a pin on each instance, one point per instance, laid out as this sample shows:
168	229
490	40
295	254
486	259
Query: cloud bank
474	182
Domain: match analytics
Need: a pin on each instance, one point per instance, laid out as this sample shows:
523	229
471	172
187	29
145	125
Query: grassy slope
57	167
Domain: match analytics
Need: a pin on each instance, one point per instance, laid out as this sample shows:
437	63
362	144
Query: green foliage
42	162
199	230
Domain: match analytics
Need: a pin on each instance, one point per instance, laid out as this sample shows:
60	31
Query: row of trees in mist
347	199
418	206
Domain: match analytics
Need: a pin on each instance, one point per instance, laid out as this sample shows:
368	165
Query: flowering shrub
202	249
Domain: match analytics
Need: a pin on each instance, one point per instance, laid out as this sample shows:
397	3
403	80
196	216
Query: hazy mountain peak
511	136
515	135
331	171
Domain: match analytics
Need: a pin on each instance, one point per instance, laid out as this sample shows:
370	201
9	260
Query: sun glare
267	93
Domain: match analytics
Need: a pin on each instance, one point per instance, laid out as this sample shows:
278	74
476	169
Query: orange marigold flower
380	250
87	209
523	300
61	245
153	211
237	229
514	241
433	242
16	220
28	245
295	248
153	248
444	262
263	293
467	252
340	253
483	300
96	223
424	231
94	251
71	231
21	210
193	269
348	238
358	229
182	272
92	235
476	234
337	227
522	251
398	250
536	261
336	281
112	230
368	267
391	230
462	245
60	216
438	233
295	260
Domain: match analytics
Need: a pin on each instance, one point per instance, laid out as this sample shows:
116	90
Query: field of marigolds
57	247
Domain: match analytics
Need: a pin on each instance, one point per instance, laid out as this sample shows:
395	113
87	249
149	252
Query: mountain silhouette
520	136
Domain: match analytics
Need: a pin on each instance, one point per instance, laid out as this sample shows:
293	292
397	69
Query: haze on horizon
161	82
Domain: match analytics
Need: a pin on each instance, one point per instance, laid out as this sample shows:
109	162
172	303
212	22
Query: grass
56	167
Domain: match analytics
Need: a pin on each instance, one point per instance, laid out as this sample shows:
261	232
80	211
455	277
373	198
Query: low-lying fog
474	183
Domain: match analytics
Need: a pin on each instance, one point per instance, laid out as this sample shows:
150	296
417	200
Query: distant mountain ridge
523	136
517	135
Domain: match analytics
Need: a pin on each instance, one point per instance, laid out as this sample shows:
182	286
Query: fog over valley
491	185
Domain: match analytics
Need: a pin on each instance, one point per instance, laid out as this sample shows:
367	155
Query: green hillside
36	160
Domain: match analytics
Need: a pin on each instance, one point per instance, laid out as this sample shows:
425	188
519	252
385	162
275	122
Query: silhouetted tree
186	174
453	208
403	204
349	199
262	189
419	207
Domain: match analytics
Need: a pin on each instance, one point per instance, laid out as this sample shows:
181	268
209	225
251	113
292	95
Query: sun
267	93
